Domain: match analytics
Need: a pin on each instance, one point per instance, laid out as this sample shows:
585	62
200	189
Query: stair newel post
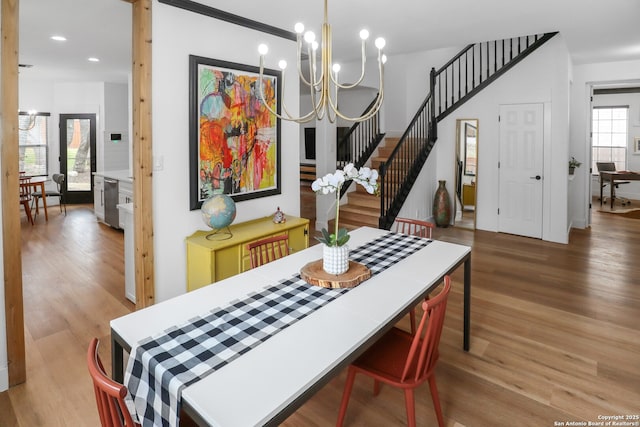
382	172
433	124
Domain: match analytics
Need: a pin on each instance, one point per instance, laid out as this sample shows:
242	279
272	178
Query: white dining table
271	381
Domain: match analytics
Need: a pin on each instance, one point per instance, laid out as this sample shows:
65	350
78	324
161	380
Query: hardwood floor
73	283
555	330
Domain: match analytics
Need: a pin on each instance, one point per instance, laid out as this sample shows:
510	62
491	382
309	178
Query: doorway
78	156
520	169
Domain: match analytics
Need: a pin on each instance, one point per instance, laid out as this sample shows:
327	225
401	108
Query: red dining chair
267	250
403	360
414	227
109	394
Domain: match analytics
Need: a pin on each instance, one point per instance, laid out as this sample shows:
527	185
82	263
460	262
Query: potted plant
335	252
573	164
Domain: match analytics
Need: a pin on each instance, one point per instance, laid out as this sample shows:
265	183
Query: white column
325	163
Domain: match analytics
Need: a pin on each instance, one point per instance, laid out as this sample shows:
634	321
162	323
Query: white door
521	161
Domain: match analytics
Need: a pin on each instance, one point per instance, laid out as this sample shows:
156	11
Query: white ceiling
594	30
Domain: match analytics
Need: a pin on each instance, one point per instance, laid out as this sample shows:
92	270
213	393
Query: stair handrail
415	143
504	57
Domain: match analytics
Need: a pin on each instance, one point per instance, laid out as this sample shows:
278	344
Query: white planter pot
335	259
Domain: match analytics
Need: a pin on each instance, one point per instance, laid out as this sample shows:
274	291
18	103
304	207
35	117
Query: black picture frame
234	140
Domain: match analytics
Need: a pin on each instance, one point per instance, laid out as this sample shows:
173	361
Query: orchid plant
332	183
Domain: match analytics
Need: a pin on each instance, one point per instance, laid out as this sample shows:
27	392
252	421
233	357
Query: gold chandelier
324	86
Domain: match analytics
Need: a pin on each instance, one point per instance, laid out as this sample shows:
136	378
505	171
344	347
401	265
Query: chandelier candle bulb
322	79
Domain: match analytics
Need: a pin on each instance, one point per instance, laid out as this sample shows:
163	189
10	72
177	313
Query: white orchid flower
332	183
365	172
350	171
370	188
337	179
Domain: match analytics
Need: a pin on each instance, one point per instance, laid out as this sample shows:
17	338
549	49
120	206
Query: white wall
543	77
116	120
109	101
4	364
584	76
350	102
407	85
177	34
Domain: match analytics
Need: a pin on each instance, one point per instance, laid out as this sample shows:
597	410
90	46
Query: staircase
307	172
399	161
363	209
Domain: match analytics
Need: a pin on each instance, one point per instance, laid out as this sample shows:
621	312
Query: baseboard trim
4	379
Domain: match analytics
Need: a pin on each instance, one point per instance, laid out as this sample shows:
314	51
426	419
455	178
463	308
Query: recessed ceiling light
59	38
93	59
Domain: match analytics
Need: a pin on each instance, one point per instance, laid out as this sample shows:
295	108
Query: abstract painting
234	139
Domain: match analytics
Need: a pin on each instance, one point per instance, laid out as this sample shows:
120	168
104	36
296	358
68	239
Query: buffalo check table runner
161	365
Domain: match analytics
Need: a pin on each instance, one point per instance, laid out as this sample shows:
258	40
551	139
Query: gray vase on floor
442	205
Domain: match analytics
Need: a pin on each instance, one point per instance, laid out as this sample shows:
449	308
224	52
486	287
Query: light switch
158	163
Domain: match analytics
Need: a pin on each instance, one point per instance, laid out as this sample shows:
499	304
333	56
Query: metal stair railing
476	66
464	76
358	143
402	167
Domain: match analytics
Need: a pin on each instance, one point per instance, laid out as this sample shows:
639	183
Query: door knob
537	177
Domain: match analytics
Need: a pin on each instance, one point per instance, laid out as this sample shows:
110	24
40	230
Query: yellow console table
468	195
209	260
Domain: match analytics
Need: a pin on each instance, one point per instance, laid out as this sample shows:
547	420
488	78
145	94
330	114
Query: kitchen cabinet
126	217
125	195
98	197
209	261
111	188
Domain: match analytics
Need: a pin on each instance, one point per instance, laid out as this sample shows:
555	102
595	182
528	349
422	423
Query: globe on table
218	212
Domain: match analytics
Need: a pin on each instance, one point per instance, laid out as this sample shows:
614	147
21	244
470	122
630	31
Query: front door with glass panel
78	156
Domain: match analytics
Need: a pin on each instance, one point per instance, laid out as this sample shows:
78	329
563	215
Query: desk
616	176
280	374
35	182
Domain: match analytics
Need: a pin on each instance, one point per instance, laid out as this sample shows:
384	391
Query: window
33	143
609	142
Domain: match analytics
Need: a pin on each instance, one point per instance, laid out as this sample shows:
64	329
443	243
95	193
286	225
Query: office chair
611	167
